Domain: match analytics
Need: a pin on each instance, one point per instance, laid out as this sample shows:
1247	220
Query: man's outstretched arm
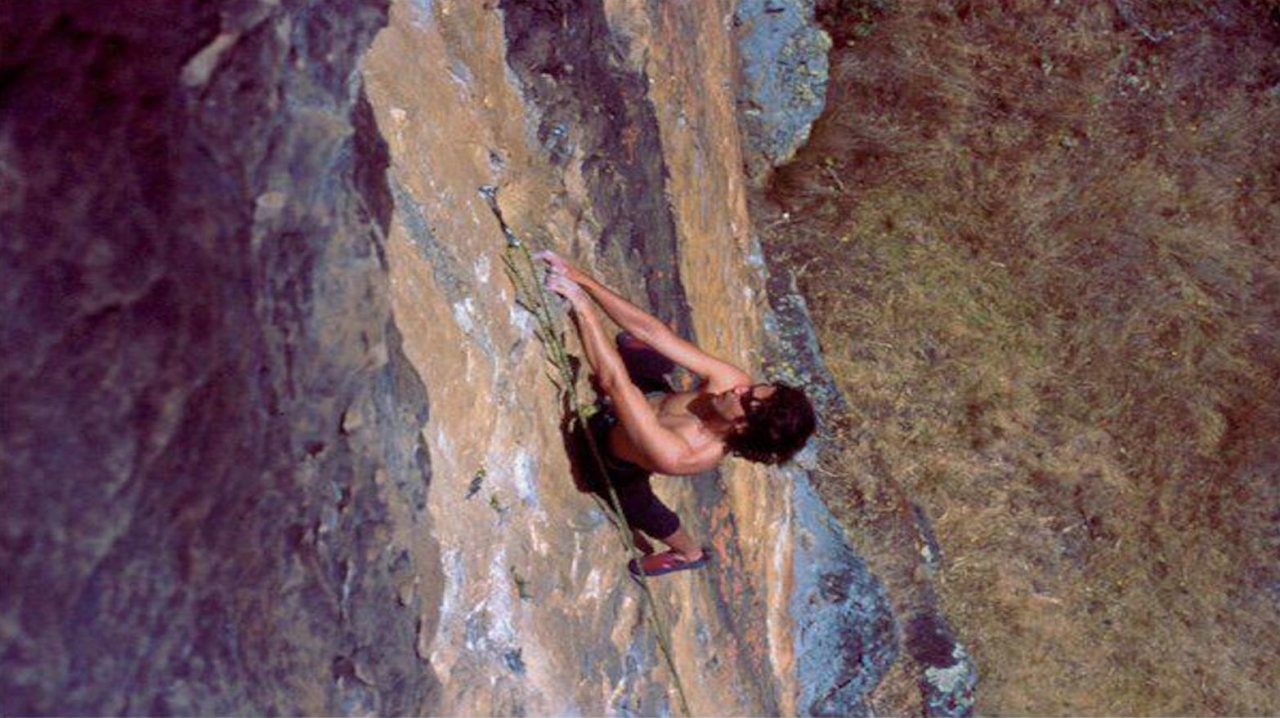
717	373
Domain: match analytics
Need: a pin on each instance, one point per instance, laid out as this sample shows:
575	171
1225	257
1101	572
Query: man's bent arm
664	451
719	374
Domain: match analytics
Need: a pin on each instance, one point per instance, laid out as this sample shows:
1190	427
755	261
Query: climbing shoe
666	562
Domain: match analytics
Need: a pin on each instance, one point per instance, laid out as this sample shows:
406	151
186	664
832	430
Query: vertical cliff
276	436
610	132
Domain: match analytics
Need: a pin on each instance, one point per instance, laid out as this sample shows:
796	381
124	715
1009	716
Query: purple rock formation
192	298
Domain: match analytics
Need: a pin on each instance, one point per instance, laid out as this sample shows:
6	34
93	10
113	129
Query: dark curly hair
776	428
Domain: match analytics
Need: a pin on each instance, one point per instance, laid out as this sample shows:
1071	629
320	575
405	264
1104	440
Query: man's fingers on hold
558	283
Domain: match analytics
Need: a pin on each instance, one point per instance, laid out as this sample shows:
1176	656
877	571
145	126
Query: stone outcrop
784	78
276	436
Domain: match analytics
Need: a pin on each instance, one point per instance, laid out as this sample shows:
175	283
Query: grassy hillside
1042	244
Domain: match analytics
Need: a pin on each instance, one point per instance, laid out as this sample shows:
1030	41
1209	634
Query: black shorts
636	500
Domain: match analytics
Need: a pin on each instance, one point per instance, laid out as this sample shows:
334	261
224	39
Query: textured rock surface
784	78
226	306
207	425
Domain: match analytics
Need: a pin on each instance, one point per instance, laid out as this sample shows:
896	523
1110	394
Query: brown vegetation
1040	240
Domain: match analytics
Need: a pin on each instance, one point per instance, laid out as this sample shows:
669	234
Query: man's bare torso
675	414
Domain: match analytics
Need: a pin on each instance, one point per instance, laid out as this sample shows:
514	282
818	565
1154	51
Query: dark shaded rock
930	641
592	103
951	691
192	297
948	676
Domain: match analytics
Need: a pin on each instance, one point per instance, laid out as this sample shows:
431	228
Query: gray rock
845	631
784	78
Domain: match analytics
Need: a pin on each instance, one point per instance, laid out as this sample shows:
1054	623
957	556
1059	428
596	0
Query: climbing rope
522	270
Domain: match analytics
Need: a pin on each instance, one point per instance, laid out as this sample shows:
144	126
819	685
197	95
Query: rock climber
644	426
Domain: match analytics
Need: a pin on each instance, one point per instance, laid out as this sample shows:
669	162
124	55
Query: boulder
784	73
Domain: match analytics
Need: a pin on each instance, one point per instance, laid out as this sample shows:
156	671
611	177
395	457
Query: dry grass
1041	244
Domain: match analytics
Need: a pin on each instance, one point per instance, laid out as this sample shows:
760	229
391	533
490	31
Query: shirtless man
677	433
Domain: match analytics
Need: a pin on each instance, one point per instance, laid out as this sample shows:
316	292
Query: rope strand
533	296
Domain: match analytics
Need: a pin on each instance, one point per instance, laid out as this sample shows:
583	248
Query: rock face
275	435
